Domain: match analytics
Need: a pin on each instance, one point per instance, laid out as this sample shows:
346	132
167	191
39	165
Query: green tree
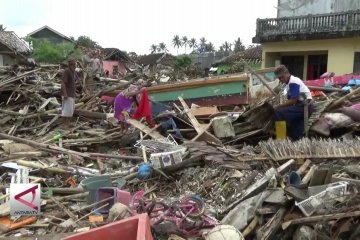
2	28
85	41
162	47
203	41
184	42
176	42
238	46
133	55
45	52
153	48
221	49
227	46
210	47
182	63
192	43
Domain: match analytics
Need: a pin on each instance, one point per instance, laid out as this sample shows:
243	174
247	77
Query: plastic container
322	199
224	232
133	228
92	184
280	128
119	196
294	179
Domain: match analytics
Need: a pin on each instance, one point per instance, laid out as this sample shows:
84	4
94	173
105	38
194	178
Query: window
357	63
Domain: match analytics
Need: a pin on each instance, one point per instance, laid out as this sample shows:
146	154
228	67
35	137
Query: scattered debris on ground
220	170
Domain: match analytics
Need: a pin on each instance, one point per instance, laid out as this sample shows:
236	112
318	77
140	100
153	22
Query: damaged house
156	60
312	37
13	50
115	62
233	64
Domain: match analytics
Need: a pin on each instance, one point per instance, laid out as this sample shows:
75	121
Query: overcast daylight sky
133	25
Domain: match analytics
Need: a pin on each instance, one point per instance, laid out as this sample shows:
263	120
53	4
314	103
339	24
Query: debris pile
192	173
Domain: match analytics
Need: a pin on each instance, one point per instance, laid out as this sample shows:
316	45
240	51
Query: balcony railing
324	23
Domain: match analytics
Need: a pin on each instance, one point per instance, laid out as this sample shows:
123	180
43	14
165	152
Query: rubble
226	163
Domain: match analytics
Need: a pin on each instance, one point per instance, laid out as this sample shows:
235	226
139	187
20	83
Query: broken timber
142	127
203	134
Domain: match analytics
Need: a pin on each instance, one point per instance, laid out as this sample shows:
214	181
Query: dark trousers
294	117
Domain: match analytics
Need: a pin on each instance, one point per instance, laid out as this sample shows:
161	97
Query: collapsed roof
156	58
252	54
13	46
115	54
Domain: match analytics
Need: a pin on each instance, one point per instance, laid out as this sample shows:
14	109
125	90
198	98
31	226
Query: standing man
68	92
292	111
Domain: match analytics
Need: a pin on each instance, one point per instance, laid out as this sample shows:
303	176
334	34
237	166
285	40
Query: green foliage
182	63
153	48
209	47
176	42
85	41
192	43
45	52
162	47
2	28
238	46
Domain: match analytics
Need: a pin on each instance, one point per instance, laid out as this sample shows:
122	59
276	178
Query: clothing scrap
69	78
144	110
68	107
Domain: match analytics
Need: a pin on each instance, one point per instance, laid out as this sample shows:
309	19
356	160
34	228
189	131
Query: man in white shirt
292	111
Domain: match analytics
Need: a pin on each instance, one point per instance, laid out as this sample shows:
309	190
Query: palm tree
227	46
176	42
210	47
238	45
221	49
192	43
184	42
203	43
153	48
162	47
2	28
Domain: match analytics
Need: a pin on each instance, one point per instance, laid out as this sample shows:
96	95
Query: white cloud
133	25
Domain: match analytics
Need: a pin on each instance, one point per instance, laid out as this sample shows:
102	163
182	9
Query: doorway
295	64
317	65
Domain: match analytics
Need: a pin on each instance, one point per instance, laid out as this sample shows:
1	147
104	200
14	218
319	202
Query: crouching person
292	111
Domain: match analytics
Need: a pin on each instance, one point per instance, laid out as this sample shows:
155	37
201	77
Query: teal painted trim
200	92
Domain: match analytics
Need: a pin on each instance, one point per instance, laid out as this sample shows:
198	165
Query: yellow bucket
280	128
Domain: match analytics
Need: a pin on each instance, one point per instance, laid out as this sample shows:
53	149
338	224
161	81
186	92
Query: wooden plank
196	83
261	184
203	134
270	228
142	127
45	128
321	218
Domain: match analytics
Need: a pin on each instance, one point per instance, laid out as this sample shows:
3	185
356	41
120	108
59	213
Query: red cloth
144	109
107	99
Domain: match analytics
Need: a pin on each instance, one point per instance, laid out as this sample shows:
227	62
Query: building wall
108	66
341	52
6	60
206	60
288	8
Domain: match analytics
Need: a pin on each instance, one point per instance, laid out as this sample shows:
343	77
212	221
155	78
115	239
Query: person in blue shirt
292	111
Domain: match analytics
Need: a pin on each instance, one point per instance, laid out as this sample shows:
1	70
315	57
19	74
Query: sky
134	25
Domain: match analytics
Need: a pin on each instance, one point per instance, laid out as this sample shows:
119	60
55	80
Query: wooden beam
270	228
321	218
142	127
203	134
